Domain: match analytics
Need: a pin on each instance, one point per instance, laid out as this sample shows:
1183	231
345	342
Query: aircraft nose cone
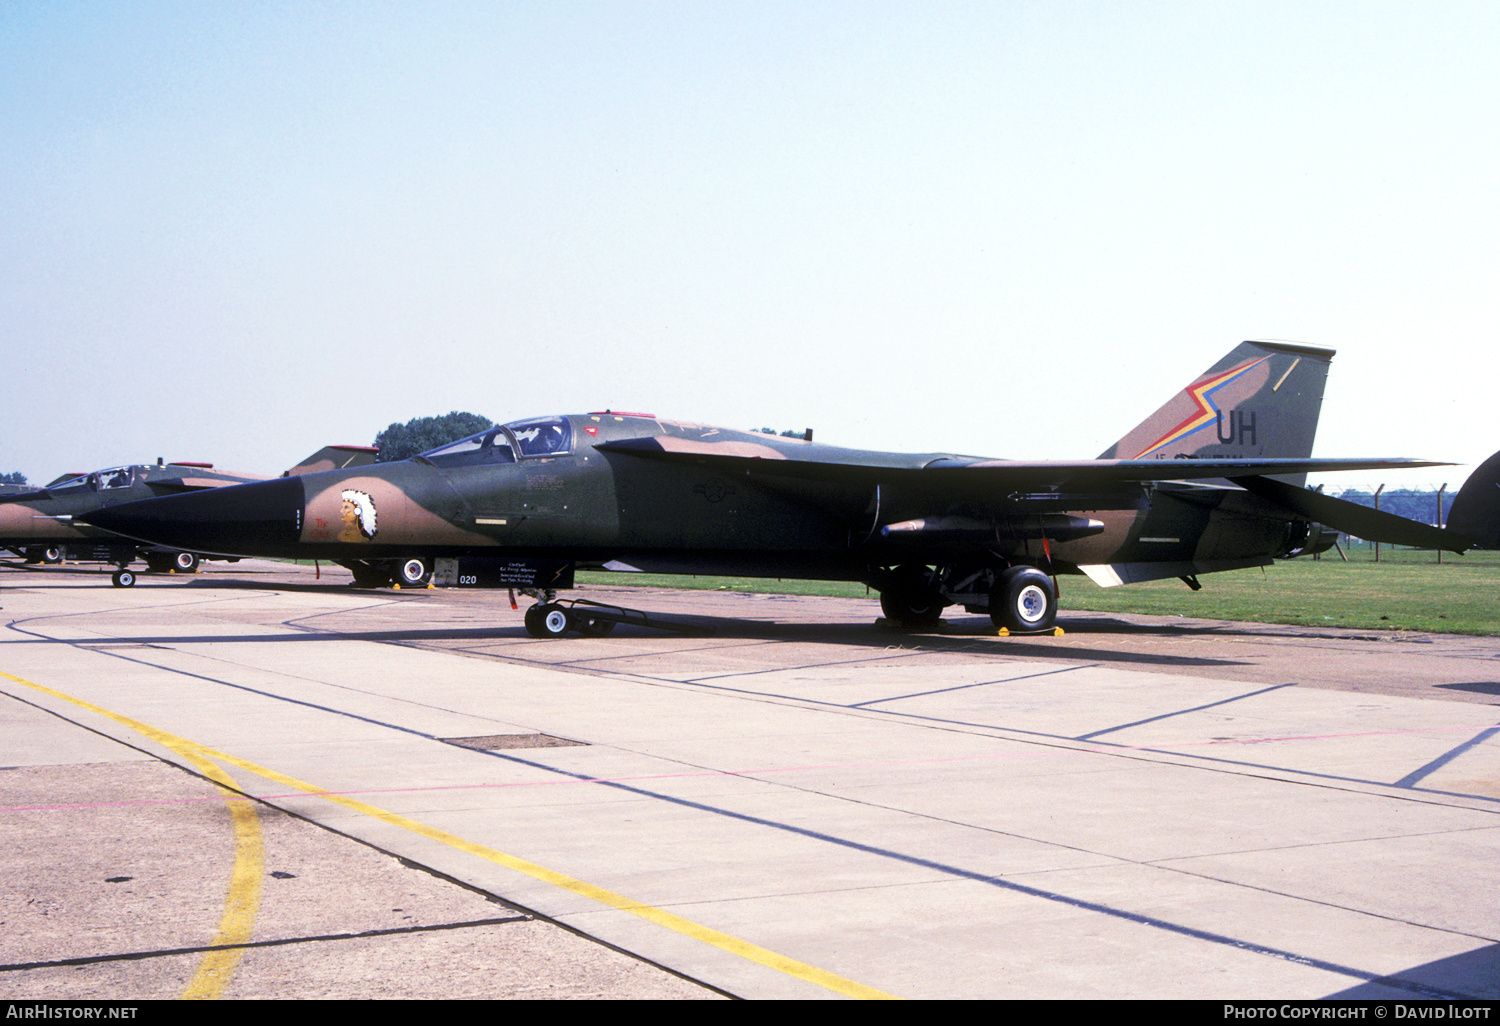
258	519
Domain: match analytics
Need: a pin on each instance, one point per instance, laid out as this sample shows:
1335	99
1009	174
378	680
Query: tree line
1410	503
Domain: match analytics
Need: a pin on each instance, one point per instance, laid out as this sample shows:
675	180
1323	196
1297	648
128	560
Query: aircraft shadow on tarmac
1478	687
1449	977
958	635
979	625
957	625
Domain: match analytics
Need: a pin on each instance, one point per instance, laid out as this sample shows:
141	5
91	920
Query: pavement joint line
242	898
131	956
1002	732
1411	779
1109	749
964	687
431	871
756	771
1183	712
1049	740
725	942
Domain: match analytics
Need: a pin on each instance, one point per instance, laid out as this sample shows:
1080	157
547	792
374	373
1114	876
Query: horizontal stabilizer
335	457
1352	518
1112	575
1476	507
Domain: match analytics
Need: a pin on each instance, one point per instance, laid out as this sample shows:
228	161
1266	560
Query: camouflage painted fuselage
1210	481
51	516
670	497
47	516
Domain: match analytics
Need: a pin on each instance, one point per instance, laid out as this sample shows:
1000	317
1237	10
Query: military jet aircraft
43	524
1212	481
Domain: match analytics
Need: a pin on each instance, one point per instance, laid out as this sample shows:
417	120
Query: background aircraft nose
257	519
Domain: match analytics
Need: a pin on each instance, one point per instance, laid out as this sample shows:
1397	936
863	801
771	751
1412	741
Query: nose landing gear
552	619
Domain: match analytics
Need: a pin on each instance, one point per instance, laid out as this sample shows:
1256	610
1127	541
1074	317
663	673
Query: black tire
185	562
413	573
123	578
52	554
913	601
548	620
368	574
1023	600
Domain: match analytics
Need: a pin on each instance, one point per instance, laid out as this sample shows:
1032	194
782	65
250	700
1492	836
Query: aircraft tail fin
1260	401
334	457
1476	508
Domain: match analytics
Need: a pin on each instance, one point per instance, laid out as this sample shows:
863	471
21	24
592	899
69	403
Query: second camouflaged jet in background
1210	482
43	525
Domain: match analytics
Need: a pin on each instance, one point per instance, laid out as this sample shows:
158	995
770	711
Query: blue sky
236	232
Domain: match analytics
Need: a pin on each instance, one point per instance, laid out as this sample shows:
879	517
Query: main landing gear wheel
548	620
185	563
1023	599
413	573
52	554
912	601
369	573
124	578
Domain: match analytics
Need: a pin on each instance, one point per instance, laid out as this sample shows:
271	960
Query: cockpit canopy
98	481
524	439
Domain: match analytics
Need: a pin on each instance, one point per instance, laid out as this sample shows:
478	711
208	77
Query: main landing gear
913	598
415	572
1021	599
172	562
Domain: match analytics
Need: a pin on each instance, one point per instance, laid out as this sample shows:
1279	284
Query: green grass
1407	590
1458	597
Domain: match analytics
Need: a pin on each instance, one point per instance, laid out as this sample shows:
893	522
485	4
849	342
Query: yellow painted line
661	917
243	900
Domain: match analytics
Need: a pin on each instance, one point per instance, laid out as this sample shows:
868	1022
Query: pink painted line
750	773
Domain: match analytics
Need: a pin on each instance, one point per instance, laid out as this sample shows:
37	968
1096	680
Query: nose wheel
548	620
